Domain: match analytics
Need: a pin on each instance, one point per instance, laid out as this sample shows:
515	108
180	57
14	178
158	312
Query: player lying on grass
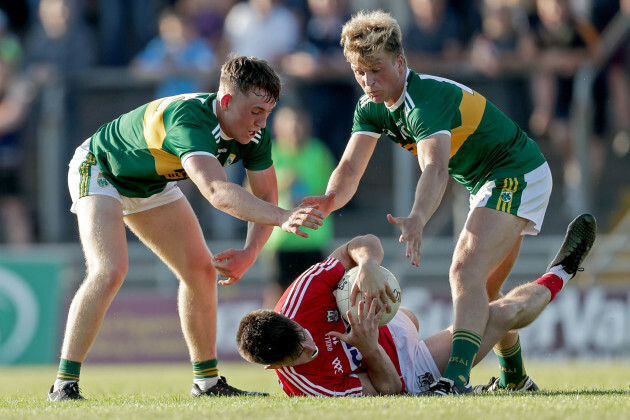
316	353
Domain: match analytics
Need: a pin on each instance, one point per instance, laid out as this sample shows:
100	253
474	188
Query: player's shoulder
312	288
192	109
427	92
329	268
193	102
331	265
423	85
428	84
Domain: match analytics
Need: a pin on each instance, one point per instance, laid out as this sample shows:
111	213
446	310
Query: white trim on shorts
534	198
99	185
417	366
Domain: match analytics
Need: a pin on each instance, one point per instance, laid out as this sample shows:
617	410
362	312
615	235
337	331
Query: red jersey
310	302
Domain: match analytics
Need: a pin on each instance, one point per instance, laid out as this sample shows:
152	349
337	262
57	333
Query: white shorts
417	366
85	178
526	196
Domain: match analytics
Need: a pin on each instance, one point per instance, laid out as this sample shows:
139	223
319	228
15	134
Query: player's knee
198	268
411	316
463	280
107	276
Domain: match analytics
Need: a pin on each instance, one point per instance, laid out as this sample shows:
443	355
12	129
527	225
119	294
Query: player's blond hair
247	74
368	33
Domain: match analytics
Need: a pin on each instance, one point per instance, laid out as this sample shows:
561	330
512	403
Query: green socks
465	347
206	374
511	364
69	371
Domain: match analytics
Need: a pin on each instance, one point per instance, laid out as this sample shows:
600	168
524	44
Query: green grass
583	390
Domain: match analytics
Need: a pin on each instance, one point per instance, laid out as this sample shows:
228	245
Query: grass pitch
577	390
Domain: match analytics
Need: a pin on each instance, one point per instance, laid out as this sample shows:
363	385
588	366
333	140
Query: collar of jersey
214	109
400	100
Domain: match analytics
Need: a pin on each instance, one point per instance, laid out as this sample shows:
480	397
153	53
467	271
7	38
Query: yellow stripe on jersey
471	109
166	164
412	148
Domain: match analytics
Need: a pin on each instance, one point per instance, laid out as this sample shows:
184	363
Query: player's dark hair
269	338
248	74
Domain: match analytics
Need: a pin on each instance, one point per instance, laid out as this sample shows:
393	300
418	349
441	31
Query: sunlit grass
570	390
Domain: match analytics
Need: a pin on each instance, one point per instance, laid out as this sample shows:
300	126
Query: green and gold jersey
485	143
142	150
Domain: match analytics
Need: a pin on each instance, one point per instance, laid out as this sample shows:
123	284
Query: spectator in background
319	69
434	41
398	9
16	96
208	17
561	47
501	45
59	47
262	28
124	27
611	91
502	53
59	44
17	13
177	59
303	165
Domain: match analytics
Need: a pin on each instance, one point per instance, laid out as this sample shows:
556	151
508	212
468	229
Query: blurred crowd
180	44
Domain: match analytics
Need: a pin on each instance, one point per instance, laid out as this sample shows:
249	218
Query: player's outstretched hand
411	233
373	285
232	264
364	328
324	203
309	217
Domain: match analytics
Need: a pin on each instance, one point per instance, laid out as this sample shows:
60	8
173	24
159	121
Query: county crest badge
101	180
506	196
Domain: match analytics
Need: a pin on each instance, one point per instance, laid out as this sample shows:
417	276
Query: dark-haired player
315	352
125	175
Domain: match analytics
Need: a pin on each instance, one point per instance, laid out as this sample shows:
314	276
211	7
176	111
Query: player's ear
401	62
269	367
225	100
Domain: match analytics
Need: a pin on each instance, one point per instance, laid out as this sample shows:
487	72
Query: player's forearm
343	182
238	202
257	236
429	192
382	372
365	249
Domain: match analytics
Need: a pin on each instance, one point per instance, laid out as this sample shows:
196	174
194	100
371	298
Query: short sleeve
436	110
186	138
366	118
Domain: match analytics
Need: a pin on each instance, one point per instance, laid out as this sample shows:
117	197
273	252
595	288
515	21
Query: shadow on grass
593	392
556	393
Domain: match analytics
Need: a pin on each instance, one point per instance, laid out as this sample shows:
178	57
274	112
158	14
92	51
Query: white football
344	287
